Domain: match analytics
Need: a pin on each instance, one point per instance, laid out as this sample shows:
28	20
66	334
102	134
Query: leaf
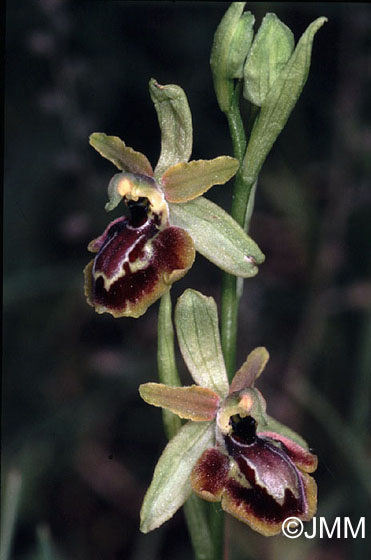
175	120
217	236
115	150
196	322
166	364
192	403
269	53
279	103
250	369
186	181
170	486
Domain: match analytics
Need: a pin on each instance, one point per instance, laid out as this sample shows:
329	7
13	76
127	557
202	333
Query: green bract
278	98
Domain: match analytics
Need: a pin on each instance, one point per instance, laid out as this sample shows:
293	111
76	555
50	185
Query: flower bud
269	53
232	42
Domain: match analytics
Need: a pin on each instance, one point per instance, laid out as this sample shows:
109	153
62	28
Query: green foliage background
73	423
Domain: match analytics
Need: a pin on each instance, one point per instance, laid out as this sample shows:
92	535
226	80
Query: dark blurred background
79	445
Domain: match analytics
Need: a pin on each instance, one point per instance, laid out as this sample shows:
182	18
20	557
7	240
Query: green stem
229	298
199	526
166	364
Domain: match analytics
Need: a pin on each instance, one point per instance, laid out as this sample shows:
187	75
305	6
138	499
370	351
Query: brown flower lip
137	259
260	479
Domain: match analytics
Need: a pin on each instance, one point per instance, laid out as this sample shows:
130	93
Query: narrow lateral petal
115	150
217	236
186	181
196	321
170	486
250	369
192	403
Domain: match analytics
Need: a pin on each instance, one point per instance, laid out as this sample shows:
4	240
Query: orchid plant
229	450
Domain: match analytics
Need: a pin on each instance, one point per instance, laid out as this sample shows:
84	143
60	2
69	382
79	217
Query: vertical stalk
241	194
203	532
230	297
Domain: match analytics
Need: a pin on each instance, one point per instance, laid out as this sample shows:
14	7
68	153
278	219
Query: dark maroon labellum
138	258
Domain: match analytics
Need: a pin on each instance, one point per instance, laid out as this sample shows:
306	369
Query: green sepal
196	322
166	364
175	120
278	104
170	486
217	236
250	370
188	180
231	43
123	157
272	47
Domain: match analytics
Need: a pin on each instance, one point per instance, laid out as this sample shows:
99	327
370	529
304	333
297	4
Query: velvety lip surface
135	265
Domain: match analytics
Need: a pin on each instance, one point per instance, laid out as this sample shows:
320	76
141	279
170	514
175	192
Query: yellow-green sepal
196	322
217	236
170	486
175	120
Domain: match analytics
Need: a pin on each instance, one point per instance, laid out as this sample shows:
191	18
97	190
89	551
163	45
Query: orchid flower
230	450
140	256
